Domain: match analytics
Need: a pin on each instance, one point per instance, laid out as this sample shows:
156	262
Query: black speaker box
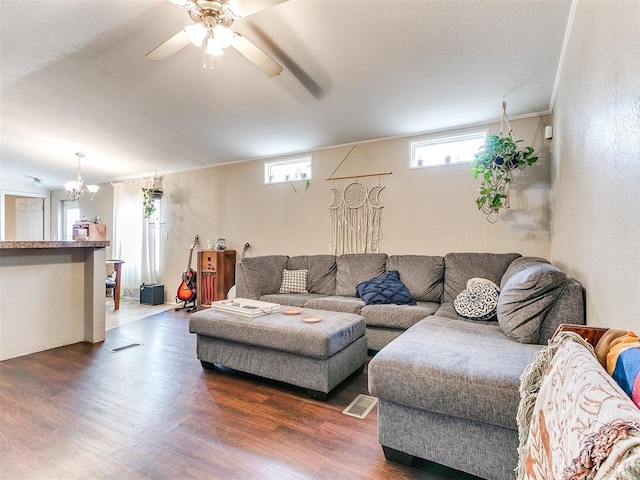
151	294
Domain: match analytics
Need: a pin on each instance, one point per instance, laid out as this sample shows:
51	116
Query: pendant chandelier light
77	189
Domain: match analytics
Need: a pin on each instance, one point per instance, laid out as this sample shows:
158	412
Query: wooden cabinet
216	274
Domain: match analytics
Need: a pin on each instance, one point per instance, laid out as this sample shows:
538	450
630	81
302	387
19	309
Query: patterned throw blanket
575	423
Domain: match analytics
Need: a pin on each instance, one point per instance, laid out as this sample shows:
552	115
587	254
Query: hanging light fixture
77	189
211	28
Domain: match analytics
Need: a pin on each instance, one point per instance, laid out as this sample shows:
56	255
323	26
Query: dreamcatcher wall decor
356	214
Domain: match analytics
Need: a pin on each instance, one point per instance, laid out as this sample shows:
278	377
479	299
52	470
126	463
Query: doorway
24	217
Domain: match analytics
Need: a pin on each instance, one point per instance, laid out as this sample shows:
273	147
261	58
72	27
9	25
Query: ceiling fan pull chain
204	58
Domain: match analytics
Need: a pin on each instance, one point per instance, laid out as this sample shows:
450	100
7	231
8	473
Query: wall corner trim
563	52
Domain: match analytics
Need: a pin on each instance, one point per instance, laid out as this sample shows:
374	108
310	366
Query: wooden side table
117	266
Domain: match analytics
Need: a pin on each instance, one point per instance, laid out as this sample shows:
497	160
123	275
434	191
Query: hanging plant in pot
494	164
148	196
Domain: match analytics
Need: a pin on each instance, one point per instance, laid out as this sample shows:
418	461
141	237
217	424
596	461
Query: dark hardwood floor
151	411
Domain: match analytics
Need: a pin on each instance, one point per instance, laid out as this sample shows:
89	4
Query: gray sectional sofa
447	386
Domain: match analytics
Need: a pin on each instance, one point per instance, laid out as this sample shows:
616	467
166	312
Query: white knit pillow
294	281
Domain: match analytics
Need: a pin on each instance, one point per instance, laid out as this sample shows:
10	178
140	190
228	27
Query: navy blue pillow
384	290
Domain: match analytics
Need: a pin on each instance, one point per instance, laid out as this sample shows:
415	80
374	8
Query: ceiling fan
211	30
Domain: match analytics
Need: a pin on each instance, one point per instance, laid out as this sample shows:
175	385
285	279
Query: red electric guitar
187	289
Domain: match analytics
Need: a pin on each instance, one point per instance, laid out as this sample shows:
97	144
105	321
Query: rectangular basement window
446	150
292	170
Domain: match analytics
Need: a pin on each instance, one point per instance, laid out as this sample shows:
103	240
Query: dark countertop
11	244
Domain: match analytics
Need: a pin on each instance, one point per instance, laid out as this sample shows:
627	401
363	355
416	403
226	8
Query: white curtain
132	237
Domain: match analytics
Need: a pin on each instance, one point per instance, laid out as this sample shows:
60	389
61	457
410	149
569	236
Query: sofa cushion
423	275
386	289
518	265
322	272
263	274
294	281
479	302
355	268
452	367
446	310
290	299
397	316
337	304
460	267
526	299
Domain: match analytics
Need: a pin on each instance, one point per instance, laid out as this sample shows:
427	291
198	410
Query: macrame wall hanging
356	214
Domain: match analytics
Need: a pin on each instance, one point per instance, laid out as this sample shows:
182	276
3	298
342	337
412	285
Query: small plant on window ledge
494	164
149	195
306	184
300	177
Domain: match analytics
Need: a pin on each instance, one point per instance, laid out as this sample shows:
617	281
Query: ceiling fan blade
256	56
247	7
169	48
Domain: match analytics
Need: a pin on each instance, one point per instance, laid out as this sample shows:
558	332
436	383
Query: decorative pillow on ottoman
385	289
479	301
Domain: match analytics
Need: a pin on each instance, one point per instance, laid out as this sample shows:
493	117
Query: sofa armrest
241	283
590	334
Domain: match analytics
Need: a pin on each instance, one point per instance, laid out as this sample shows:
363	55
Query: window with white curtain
132	236
155	224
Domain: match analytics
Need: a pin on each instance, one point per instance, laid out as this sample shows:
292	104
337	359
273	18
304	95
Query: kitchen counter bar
10	244
52	293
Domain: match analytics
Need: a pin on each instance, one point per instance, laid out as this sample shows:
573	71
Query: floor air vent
361	406
124	347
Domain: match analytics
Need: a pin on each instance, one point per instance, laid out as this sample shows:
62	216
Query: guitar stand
188	305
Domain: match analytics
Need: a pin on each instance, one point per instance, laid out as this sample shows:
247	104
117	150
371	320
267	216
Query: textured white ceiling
75	78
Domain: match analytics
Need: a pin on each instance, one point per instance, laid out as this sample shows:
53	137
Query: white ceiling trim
343	145
563	52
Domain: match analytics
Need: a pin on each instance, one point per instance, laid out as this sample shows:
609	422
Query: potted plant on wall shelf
494	164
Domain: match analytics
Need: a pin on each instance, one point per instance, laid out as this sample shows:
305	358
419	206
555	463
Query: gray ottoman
315	356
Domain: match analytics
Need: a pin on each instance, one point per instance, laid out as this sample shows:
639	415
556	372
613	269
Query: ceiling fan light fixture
196	33
223	35
213	47
230	9
186	4
212	20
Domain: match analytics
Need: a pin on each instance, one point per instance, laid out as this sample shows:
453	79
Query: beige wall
596	150
426	211
102	206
